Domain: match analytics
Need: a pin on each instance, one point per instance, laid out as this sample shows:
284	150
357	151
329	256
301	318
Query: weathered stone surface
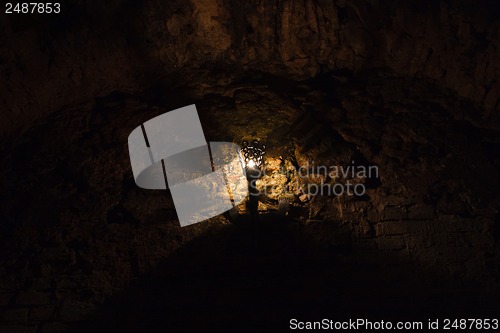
433	206
392	228
54	328
5	298
15	315
394	213
391	243
365	244
421	212
74	311
41	313
395	259
32	298
418	227
18	329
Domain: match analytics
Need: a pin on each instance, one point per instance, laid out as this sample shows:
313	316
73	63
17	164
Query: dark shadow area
256	277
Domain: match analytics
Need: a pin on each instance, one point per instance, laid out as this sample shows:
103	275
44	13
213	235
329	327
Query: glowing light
253	154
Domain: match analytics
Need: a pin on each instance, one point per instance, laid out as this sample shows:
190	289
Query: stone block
41	313
483	241
418	226
43	283
17	329
19	315
395	258
473	268
32	298
5	298
365	244
391	243
421	212
457	271
392	228
394	213
445	223
466	224
442	239
424	256
419	241
75	311
54	328
492	97
368	258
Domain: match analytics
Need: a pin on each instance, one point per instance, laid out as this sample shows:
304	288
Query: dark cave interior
410	87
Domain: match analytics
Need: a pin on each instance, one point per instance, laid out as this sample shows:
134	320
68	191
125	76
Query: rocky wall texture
408	87
85	250
95	48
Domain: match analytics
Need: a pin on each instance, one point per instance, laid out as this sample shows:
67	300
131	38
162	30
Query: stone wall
410	88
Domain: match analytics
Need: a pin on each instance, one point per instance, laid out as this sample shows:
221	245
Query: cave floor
83	248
